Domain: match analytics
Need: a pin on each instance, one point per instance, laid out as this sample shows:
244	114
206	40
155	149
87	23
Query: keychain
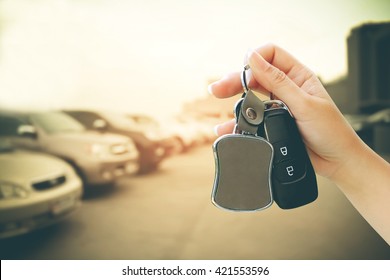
243	160
264	159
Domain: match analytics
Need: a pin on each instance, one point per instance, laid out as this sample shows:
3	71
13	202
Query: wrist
353	163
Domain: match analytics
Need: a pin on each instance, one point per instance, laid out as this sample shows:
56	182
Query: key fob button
285	150
290	171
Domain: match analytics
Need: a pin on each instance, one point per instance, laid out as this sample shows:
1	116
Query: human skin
335	150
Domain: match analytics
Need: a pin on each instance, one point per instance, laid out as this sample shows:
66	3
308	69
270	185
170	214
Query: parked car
98	159
151	147
173	142
36	190
203	128
187	131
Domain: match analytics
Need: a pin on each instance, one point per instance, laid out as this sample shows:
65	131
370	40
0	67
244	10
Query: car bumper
171	146
106	171
151	156
24	215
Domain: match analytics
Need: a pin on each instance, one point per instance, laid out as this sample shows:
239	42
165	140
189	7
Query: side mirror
27	131
100	124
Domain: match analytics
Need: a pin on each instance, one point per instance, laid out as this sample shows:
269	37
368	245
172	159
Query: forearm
365	180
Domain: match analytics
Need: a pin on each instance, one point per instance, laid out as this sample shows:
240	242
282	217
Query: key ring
244	81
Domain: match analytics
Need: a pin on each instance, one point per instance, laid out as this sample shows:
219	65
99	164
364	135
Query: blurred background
105	116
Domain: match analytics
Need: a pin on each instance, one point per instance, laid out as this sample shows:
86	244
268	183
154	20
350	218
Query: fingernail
249	53
216	129
248	76
210	88
246	56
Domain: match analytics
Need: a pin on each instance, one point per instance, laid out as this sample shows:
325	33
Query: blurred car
98	159
36	190
151	147
203	128
173	142
189	131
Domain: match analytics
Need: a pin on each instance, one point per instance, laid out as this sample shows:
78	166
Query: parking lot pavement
168	215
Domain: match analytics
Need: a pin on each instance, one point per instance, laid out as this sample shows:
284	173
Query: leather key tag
243	166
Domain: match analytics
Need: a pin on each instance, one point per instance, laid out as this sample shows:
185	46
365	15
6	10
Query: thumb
275	81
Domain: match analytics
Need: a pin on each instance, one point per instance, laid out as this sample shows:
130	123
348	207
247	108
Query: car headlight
98	150
153	135
10	190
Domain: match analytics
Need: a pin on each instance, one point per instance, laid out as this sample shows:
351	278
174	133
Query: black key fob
294	181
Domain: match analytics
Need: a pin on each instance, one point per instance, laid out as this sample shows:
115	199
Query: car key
293	178
243	161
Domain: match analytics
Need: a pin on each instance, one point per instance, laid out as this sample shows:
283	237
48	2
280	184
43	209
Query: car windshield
119	120
144	120
56	122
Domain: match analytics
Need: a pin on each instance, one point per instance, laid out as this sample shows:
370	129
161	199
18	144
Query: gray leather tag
243	173
251	113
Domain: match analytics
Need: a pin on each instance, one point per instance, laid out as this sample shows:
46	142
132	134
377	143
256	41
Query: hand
334	148
330	140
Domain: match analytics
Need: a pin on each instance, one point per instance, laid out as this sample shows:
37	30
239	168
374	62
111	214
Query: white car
36	190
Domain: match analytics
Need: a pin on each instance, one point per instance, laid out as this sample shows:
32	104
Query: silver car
97	158
36	190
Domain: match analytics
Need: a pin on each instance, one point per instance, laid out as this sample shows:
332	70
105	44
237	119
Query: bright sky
150	56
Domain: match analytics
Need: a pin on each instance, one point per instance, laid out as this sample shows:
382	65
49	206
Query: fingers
273	70
228	86
225	128
231	84
282	60
274	79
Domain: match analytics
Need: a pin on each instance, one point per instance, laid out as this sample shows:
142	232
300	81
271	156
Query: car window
86	118
56	122
119	120
9	126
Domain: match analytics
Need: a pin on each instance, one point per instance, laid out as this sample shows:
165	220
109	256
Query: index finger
284	61
230	85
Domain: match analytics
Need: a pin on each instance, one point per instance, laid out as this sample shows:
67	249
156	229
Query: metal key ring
244	81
